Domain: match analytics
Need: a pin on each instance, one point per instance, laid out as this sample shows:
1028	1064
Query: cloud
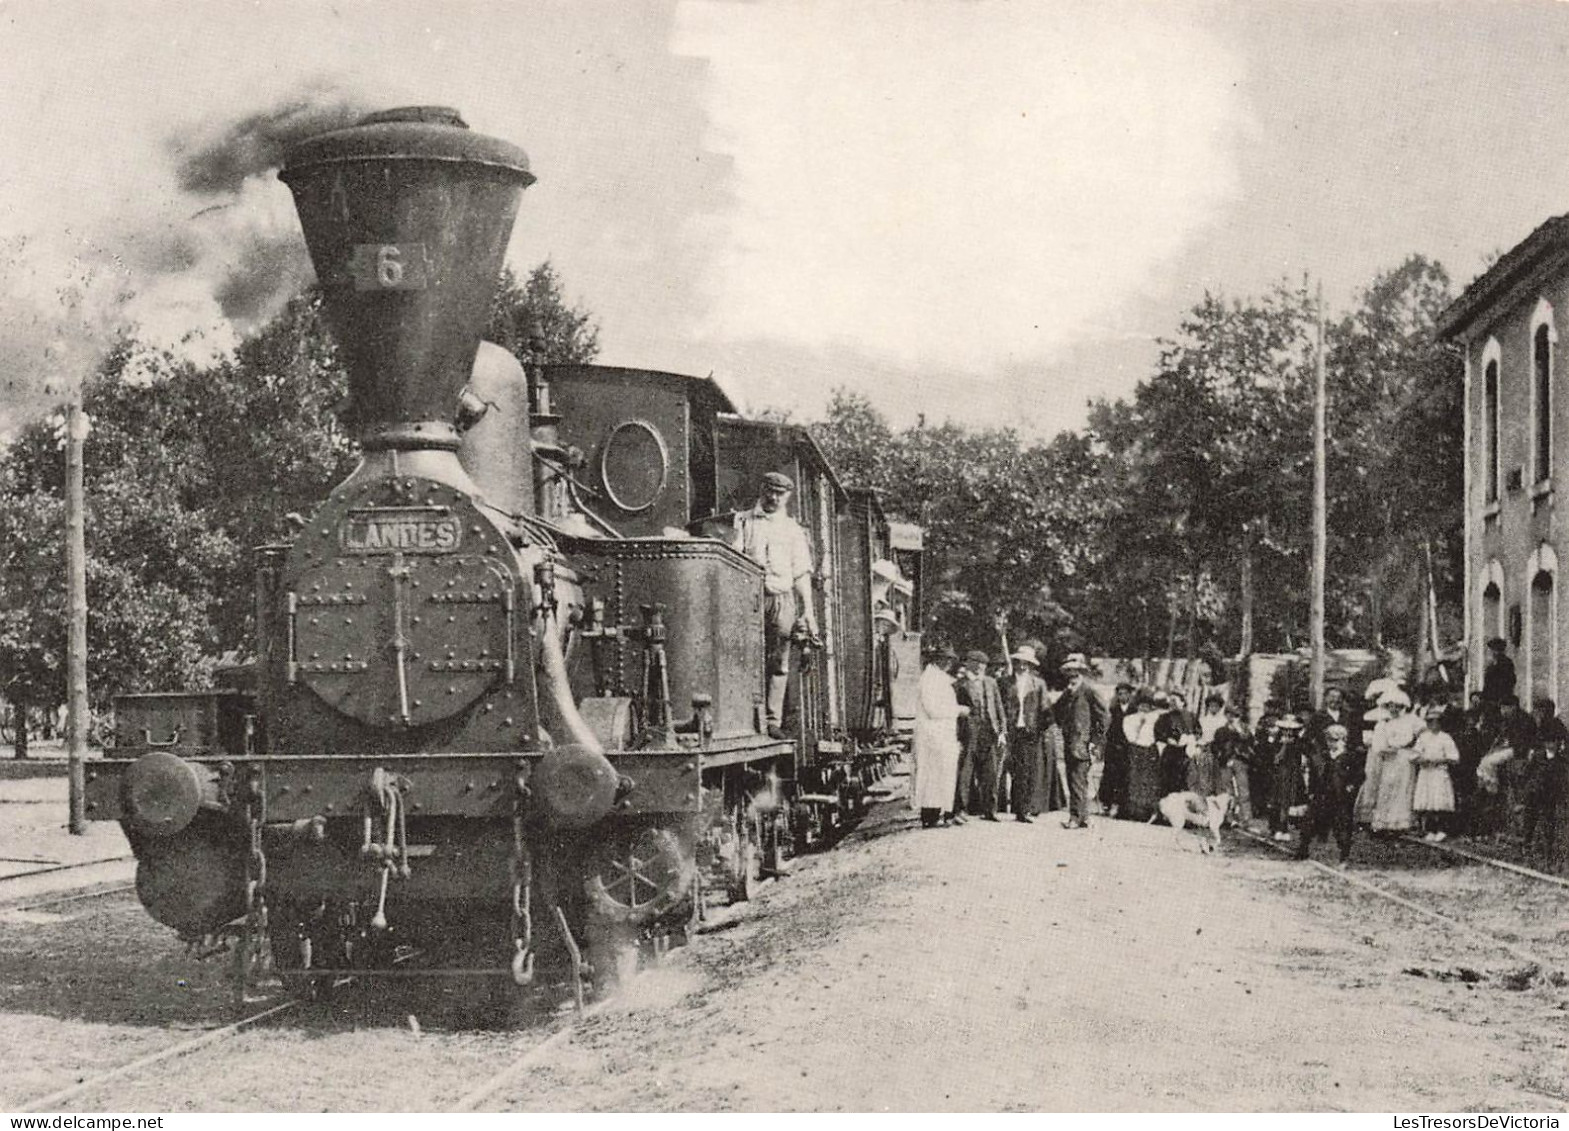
965	186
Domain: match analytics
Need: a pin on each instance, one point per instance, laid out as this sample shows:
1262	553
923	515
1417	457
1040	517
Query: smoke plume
252	257
222	158
190	243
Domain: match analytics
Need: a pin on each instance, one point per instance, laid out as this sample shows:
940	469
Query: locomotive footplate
438	785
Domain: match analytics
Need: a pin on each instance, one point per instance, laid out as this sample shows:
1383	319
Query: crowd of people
985	745
1399	762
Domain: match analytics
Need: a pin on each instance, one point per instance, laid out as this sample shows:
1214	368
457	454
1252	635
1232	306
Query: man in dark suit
1334	712
1025	703
1542	777
1498	675
1082	717
1333	777
981	732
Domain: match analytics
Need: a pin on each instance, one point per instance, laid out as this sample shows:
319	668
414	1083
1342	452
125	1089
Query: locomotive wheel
639	877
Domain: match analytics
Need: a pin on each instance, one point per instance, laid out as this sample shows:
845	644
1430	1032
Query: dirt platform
989	967
1028	967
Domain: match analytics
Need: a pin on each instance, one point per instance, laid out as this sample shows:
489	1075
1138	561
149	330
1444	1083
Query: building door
1544	630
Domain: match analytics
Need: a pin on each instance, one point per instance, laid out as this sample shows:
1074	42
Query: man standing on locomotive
771	538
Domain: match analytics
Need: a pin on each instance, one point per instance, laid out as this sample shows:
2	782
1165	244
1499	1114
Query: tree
538	310
1007	524
188	469
1213	447
1396	457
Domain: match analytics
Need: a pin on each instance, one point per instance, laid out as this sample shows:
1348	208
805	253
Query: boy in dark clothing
1333	778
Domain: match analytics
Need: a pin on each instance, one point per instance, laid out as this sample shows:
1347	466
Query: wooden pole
76	639
1320	520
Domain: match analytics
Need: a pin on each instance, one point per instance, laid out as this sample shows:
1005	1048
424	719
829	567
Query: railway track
476	1071
86	1086
1404	891
522	1053
52	868
68	897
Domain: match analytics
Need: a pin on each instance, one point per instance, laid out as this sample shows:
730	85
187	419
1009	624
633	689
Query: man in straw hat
769	536
980	733
1026	703
1082	716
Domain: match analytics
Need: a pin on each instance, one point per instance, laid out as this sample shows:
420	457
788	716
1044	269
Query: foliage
1179	519
1007	524
537	311
186	471
1396	452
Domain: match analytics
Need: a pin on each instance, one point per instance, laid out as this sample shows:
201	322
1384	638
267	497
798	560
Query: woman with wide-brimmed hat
1395	761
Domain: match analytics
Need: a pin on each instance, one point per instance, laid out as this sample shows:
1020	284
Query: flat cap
977	657
779	481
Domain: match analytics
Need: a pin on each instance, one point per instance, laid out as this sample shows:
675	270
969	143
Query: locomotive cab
506	698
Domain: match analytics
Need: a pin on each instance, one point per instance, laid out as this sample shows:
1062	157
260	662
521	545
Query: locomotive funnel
407	216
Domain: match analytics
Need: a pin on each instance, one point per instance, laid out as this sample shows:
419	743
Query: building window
1544	336
1490	408
1542	623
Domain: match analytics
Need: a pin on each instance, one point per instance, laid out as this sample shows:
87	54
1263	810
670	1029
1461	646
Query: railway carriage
504	709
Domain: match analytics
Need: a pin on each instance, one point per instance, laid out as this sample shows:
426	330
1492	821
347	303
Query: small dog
1183	809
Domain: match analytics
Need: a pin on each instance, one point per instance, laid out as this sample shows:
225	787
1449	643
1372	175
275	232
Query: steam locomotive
505	710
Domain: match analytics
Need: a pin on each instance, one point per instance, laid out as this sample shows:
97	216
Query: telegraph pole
76	636
1320	519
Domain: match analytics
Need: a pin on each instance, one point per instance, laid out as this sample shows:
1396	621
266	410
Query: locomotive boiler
505	704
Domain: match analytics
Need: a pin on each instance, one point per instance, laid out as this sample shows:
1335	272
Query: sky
979	211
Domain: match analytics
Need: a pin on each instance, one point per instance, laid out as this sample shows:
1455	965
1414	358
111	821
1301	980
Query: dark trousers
1114	777
1079	789
961	786
976	789
1173	770
1541	813
1024	758
983	785
1326	815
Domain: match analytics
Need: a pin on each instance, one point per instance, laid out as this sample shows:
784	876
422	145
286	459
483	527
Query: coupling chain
521	926
255	861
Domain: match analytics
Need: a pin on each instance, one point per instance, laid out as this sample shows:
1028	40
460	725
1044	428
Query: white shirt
777	543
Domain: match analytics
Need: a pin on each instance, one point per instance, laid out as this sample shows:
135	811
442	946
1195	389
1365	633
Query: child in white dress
1434	794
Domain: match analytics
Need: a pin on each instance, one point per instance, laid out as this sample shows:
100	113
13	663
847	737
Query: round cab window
634	465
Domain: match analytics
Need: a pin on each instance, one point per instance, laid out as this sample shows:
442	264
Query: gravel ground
990	967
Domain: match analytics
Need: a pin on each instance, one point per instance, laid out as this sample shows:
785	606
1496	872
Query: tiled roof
1493	283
